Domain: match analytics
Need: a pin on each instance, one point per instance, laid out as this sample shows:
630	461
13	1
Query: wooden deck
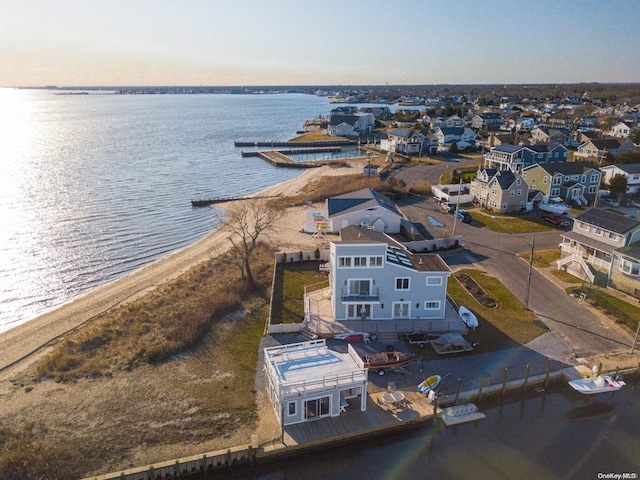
354	423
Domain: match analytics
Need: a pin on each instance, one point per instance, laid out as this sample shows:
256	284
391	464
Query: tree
247	222
618	184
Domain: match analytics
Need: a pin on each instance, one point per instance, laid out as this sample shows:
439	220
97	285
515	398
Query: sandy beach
23	344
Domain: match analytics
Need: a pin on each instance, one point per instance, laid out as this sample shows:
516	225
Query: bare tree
247	222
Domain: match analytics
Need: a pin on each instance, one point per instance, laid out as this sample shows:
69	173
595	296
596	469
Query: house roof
632	251
629	168
339	119
452	130
608	143
396	252
568	168
505	179
363	199
609	220
507	148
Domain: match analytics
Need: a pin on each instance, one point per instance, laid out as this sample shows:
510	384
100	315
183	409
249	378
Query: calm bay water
96	186
559	434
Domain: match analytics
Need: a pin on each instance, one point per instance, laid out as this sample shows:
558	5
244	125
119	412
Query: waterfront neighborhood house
378	286
409	142
487	121
308	381
621	129
462	136
341	125
364	208
629	170
604	241
571	181
598	148
517	157
499	190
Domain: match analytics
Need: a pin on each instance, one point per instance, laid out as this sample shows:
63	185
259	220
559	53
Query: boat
452	343
429	384
555	205
599	384
468	317
353	337
384	360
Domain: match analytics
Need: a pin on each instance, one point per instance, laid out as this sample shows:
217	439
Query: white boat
555	205
468	317
429	384
600	384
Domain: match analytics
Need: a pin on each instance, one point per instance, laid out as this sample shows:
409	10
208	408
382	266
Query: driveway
584	332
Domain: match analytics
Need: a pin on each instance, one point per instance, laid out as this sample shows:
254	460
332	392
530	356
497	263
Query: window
512	193
359	287
435	305
629	268
360	262
584	179
344	261
519	192
583	226
375	261
545	179
598	231
291	408
518	182
592	189
402	284
613	236
556	180
555	191
594	178
401	309
434	281
359	310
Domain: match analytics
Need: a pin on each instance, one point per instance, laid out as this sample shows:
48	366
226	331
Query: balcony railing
360	297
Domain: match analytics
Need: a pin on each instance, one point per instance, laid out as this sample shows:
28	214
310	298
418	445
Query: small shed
307	381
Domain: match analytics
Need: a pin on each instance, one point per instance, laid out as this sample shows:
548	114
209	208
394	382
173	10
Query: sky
329	42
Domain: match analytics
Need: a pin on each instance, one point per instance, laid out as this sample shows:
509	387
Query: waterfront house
597	149
366	208
571	181
606	241
409	142
307	381
351	125
630	170
377	285
500	191
549	135
517	157
462	136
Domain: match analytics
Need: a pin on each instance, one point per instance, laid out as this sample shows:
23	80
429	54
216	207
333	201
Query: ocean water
93	187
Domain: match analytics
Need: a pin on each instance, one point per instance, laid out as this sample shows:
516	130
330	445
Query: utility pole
526	296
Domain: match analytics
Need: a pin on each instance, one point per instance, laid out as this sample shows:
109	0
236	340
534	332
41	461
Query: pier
279	159
321	143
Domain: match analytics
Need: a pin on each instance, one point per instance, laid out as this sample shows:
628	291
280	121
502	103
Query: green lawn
509	224
507	325
625	312
288	289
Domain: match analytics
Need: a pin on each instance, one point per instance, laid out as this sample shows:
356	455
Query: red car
557	220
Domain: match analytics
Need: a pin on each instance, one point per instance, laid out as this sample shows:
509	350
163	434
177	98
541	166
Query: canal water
555	434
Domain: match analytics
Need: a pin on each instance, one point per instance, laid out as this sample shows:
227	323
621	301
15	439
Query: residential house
462	136
517	157
377	285
366	208
454	121
549	135
571	181
486	121
351	125
620	129
631	171
597	149
308	381
409	142
500	191
606	241
580	136
380	113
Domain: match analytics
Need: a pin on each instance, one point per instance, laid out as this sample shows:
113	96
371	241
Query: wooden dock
279	159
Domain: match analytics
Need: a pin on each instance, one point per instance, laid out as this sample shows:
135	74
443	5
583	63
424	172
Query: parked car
464	216
448	207
609	202
557	220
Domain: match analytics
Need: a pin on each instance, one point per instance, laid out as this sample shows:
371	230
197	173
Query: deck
417	408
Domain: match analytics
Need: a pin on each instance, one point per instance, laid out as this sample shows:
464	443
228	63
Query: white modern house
308	381
378	286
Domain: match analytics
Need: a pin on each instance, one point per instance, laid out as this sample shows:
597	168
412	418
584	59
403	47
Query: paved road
584	332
